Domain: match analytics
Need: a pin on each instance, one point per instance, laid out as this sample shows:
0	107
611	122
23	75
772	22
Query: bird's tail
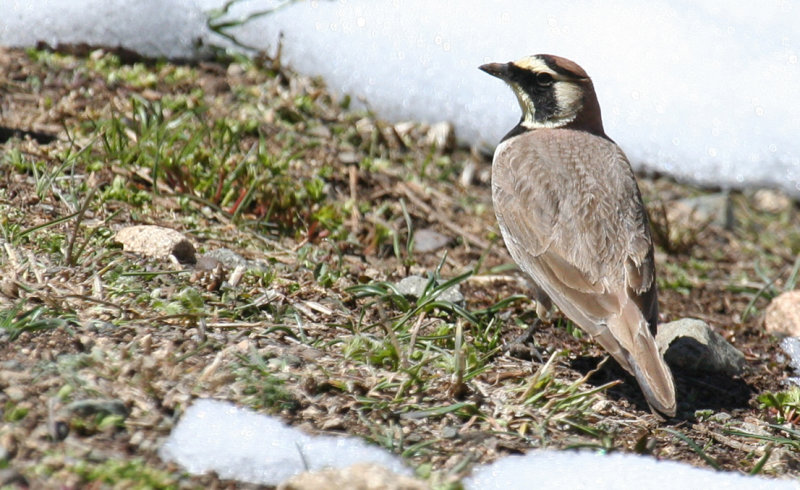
642	359
653	375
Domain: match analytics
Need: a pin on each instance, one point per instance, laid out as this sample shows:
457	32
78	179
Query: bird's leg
523	346
544	307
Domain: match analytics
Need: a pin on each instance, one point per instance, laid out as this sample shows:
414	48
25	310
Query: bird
572	217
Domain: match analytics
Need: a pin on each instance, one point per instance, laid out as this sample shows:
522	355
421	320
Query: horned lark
572	217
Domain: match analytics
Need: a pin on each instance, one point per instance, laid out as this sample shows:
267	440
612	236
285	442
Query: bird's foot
523	346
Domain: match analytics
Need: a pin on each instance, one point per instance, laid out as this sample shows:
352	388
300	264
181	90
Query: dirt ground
101	350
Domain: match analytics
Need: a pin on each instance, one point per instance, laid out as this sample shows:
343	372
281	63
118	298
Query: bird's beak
499	70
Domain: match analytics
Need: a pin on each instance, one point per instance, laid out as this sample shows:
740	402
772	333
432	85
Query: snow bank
705	91
157	28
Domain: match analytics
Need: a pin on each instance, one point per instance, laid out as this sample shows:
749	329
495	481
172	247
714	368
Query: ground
324	209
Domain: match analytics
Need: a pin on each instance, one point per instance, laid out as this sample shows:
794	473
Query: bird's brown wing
572	218
567	202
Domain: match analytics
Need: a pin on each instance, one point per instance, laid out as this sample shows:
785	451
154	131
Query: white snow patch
791	346
168	28
589	471
243	445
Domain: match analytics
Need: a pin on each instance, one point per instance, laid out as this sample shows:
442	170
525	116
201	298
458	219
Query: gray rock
349	157
229	260
90	406
449	432
414	286
703	210
691	344
12	365
428	240
721	417
321	131
226	256
11	477
99	326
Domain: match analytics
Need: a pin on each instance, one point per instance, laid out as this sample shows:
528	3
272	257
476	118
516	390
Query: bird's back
575	194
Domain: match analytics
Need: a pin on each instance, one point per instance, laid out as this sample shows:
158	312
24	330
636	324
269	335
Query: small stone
207	264
235	70
15	393
333	424
136	438
157	242
8	445
428	240
91	406
10	477
449	432
392	139
467	176
12	365
321	131
783	315
693	212
721	417
404	128
99	326
9	288
414	286
691	344
365	128
771	201
442	136
361	476
349	157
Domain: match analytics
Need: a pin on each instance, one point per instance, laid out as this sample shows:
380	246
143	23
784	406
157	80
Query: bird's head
553	92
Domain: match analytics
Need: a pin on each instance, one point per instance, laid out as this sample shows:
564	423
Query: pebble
157	242
783	315
94	406
441	136
771	201
428	240
414	286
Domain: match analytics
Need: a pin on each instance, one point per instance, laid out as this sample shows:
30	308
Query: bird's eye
544	79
